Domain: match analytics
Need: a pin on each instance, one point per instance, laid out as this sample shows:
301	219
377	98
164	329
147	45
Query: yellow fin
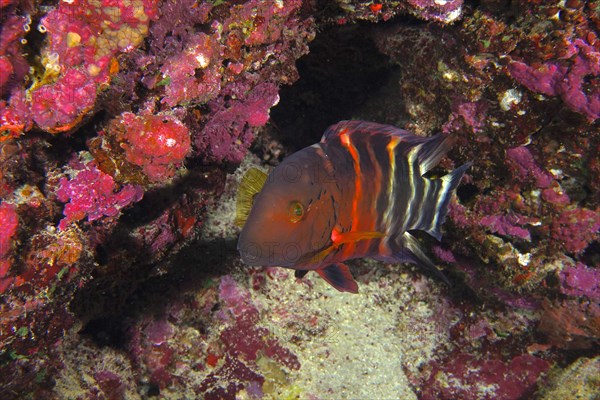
252	183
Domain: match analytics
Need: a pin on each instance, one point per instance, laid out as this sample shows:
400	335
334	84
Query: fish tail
439	197
432	150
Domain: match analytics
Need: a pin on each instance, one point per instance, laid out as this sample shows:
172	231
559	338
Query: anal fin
339	276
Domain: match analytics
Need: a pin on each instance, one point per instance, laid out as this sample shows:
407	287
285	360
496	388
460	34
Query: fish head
292	217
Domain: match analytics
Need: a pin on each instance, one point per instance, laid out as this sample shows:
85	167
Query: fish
358	193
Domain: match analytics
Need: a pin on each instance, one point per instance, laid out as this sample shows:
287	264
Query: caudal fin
439	197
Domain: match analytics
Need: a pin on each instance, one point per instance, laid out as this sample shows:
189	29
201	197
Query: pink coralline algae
13	66
575	78
13	69
576	228
439	11
193	75
525	166
507	225
245	338
227	136
164	99
9	221
92	193
59	105
182	347
465	376
579	280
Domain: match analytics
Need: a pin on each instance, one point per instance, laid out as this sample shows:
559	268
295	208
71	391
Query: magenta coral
58	106
92	193
227	136
579	280
566	81
507	225
525	166
193	75
522	161
9	222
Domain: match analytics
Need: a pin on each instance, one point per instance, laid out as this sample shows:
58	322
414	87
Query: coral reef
92	193
118	120
82	42
122	124
531	208
346	11
142	148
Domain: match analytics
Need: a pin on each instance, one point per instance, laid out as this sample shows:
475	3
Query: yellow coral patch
73	39
93	70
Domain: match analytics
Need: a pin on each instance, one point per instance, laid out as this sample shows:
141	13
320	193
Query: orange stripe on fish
347	143
345	139
387	215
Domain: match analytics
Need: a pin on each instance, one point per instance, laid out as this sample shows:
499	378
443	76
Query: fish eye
296	211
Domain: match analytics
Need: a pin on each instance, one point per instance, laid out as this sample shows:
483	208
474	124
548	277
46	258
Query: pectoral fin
338	275
338	238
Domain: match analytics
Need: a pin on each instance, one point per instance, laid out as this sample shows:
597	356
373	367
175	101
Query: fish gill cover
122	128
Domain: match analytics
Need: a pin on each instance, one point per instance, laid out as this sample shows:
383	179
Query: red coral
156	143
571	324
94	194
13	66
142	148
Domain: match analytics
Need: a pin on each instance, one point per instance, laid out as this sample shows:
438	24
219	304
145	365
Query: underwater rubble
125	129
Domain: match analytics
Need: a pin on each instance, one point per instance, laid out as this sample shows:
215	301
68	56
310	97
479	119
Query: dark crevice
341	72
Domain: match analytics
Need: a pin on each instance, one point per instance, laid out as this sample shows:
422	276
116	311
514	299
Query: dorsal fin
428	150
252	182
